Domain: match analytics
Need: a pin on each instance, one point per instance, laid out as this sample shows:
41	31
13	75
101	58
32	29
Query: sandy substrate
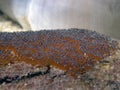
21	76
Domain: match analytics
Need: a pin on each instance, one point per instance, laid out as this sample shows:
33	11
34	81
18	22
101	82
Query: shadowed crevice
17	78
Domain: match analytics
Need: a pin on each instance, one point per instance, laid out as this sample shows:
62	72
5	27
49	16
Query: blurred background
99	15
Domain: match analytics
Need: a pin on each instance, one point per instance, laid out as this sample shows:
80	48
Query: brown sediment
74	51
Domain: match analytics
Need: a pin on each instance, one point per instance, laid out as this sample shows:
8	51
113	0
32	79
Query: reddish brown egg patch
75	51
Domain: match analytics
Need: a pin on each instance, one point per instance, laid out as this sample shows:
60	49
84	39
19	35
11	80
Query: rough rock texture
104	76
75	51
21	76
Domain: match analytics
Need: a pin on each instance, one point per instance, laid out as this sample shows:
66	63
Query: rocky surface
104	76
21	76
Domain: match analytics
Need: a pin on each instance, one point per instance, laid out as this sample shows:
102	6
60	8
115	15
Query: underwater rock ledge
74	51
